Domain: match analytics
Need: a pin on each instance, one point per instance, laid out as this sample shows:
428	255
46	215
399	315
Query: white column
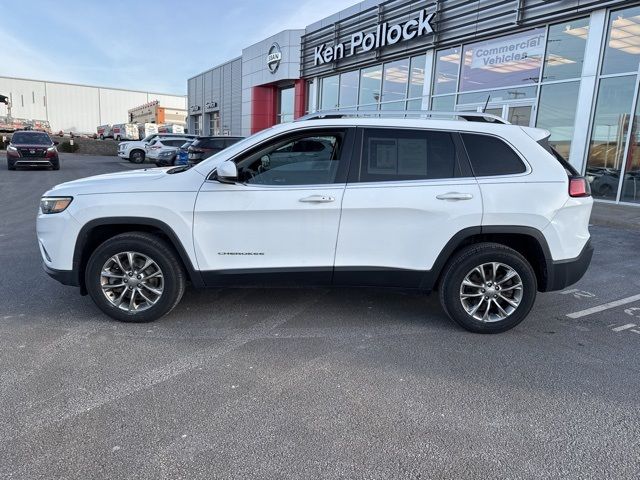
428	78
587	92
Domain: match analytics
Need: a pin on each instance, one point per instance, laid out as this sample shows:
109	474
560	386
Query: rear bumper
563	273
65	277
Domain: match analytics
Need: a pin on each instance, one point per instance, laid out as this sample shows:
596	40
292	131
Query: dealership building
569	66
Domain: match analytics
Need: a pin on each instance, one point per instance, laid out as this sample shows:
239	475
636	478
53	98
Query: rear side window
491	156
394	154
212	143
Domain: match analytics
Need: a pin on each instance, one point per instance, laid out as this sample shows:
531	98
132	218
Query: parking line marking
605	306
624	327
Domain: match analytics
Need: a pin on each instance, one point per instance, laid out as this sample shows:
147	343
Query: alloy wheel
491	292
132	281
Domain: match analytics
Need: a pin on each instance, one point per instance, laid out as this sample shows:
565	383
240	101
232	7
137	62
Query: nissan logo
274	57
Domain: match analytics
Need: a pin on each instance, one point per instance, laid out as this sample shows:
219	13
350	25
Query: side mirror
56	143
227	172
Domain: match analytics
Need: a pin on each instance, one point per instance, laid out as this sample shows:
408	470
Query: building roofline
93	86
239	57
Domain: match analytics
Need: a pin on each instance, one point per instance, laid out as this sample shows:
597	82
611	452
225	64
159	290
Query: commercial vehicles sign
508	50
382	36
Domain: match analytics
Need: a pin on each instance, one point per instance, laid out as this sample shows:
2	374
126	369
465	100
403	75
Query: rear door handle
454	196
318	199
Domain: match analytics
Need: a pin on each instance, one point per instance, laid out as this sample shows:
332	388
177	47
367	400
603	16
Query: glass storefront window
416	77
394	84
557	113
622	52
197	124
443	104
285	108
446	74
329	93
370	83
631	182
510	60
515	93
349	89
608	135
565	50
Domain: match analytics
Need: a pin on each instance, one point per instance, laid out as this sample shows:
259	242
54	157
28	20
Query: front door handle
318	199
454	196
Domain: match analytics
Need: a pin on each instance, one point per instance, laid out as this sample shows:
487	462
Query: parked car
30	148
104	131
135	152
125	131
419	204
204	147
164	148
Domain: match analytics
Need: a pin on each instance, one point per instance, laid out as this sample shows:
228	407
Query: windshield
31	138
148	138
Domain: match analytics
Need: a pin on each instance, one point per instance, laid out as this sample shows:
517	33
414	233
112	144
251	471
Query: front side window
303	160
394	154
491	156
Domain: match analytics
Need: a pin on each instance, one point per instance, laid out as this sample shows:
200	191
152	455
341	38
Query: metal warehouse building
569	66
76	108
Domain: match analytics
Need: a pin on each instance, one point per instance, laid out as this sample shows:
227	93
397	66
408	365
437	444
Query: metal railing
423	114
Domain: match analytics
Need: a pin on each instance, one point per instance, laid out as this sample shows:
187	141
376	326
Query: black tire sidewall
463	264
137	157
155	249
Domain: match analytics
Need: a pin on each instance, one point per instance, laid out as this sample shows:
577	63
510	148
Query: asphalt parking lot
311	383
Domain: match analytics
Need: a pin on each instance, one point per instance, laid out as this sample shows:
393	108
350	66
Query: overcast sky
140	44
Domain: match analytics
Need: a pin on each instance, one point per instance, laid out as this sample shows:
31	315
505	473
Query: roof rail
469	116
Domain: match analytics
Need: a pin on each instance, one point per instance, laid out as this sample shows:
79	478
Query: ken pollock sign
382	36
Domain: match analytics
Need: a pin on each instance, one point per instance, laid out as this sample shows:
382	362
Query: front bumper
123	154
564	273
33	162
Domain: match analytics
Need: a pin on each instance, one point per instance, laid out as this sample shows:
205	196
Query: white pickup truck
135	151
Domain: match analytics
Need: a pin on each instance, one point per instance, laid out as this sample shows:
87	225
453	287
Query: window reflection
329	93
622	53
565	50
444	103
446	75
370	82
513	93
349	89
557	113
394	86
631	182
608	135
509	60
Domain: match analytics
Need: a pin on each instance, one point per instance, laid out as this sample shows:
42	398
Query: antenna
486	103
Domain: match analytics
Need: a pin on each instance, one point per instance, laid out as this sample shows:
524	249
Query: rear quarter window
490	156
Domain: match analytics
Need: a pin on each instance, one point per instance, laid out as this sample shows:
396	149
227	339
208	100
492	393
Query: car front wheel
135	277
137	156
488	288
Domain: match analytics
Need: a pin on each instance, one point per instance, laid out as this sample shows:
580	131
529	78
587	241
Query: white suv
485	212
136	151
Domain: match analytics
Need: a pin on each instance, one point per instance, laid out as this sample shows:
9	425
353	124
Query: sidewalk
612	215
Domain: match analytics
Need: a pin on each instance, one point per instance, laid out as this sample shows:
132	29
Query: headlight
51	149
11	149
54	204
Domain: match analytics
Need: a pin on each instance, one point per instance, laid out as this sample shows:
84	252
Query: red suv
32	149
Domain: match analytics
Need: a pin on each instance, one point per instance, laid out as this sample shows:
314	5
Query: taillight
579	187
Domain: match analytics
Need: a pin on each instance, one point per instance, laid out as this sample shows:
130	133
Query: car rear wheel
135	277
137	156
488	288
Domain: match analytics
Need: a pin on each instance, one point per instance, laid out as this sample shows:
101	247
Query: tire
101	137
10	166
137	156
56	166
171	281
502	315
